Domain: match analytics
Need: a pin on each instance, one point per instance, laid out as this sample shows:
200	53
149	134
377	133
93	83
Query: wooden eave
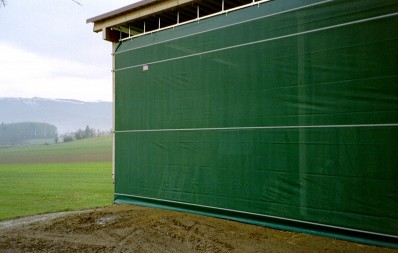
131	13
151	15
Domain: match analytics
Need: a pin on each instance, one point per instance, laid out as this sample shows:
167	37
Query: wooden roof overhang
152	15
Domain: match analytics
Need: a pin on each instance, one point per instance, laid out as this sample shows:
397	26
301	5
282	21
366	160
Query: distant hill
66	115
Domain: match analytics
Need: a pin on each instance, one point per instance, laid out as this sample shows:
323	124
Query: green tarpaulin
282	114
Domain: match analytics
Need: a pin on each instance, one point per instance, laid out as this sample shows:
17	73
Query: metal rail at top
197	19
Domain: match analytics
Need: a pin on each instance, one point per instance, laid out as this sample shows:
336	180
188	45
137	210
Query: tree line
24	132
83	134
20	133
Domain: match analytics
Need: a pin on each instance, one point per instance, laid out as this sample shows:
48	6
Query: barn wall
285	112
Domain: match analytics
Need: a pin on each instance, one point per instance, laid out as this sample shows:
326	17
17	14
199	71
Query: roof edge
128	8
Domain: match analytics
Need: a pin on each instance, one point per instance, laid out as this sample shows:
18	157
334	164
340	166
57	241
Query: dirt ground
127	228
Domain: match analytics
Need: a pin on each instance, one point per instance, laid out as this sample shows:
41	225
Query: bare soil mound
128	228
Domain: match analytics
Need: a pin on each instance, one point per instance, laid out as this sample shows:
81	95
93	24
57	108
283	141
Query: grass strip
28	189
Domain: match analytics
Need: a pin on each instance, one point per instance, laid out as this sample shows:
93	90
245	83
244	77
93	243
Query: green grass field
58	177
86	150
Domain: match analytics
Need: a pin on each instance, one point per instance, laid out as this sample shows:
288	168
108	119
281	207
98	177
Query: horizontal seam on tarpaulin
264	40
225	26
285	205
256	127
258	214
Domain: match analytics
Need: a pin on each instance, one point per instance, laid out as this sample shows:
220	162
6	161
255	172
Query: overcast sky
47	50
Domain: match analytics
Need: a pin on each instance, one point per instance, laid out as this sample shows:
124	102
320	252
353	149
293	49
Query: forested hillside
22	133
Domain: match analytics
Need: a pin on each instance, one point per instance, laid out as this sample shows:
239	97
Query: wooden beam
110	35
135	14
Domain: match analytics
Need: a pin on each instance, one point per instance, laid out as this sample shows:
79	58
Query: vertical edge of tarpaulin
114	46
